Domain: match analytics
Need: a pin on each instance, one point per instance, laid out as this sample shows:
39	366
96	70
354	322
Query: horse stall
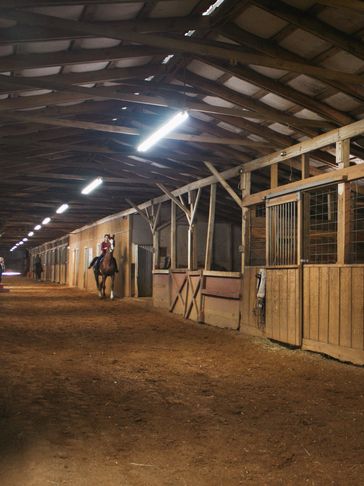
54	257
300	277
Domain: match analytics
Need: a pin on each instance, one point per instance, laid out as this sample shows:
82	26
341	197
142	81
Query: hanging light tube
62	208
90	187
163	131
46	220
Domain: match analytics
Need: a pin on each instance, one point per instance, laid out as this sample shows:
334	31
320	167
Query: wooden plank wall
221	301
283	309
161	290
333	312
249	319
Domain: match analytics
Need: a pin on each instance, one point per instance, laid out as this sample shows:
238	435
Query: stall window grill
320	225
357	222
257	235
282	234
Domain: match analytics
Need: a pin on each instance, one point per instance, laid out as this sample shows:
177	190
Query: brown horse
107	268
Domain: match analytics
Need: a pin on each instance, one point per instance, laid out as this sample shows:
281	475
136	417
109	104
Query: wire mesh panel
320	225
357	222
282	234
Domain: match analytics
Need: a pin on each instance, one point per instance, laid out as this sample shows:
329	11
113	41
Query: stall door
283	285
144	270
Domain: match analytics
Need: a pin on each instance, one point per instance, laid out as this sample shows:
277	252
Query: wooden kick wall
283	307
333	312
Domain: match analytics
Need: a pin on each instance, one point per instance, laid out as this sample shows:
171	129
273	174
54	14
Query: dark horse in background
106	268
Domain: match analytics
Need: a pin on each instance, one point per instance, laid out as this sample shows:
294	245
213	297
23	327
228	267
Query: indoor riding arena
181	242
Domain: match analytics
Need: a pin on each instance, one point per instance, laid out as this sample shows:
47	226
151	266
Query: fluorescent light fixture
31	233
124	108
38	227
149	78
163	131
189	33
213	7
62	208
114	119
21	243
167	59
11	274
25	239
46	220
90	187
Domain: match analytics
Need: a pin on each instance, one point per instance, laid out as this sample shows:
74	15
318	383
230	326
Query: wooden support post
245	184
305	166
155	250
173	236
152	219
343	204
274	176
190	214
210	228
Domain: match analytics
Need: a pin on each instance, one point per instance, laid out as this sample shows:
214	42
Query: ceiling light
25	239
90	187
114	119
149	78
189	33
21	243
163	131
62	208
124	108
38	227
167	59
31	233
213	7
46	220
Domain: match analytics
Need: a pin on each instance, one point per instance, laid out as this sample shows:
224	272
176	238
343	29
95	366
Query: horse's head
112	243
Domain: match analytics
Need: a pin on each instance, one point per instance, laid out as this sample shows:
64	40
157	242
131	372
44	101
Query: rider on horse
105	247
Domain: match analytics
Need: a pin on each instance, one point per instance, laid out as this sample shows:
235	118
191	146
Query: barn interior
247	217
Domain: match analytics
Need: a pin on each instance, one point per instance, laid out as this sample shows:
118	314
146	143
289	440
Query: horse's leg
96	273
112	286
104	285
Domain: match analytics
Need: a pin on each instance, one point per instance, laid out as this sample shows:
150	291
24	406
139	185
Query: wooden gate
284	275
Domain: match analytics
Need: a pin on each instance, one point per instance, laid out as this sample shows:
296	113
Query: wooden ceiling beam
18	62
69	93
315	26
356	5
250	103
55	3
25	33
266	46
184	45
274	86
102	127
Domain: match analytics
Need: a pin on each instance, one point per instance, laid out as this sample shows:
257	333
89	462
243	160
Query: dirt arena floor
115	393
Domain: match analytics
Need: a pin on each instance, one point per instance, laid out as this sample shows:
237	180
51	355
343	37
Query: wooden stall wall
249	318
161	289
220	302
204	296
54	257
283	305
85	244
333	300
